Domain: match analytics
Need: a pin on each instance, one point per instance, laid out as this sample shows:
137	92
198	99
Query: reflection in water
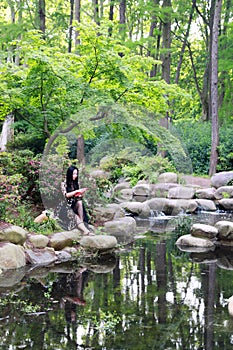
153	296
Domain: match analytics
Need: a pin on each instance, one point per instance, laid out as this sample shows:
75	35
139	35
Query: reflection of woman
76	202
75	287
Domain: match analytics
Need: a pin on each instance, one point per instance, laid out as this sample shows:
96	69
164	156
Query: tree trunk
96	12
154	49
122	18
77	17
166	62
7	132
111	15
214	89
166	57
41	13
80	150
71	25
223	46
184	45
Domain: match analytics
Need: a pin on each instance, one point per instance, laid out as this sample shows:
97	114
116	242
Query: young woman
72	189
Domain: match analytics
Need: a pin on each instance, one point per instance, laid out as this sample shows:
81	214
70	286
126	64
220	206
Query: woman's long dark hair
70	183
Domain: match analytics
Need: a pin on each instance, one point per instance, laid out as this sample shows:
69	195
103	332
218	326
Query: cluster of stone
169	197
208	236
19	247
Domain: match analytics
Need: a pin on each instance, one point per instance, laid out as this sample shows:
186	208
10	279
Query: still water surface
150	295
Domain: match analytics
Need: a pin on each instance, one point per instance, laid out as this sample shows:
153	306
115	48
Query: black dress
73	201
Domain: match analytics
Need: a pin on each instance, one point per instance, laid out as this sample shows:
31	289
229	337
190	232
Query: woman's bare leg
79	219
79	209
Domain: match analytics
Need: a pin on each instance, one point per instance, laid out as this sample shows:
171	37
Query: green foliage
183	226
9	194
196	137
26	165
135	166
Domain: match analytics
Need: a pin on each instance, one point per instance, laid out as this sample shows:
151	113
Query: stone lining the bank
208	236
19	247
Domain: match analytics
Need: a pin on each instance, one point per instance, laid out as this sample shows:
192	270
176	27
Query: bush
196	138
9	195
27	166
135	167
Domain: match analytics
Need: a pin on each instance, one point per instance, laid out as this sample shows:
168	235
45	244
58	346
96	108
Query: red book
81	191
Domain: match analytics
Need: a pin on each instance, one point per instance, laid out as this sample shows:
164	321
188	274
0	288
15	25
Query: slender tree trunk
223	75
77	17
41	13
214	89
71	25
96	11
111	15
80	150
153	50
184	45
122	18
166	62
7	132
166	57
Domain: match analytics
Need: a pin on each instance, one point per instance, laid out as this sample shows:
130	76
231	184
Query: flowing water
149	295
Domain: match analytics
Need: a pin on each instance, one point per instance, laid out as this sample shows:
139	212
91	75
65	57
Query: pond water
149	295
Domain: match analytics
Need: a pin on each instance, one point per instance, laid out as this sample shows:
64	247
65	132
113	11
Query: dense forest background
154	72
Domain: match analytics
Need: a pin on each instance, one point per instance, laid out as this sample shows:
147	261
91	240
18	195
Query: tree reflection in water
152	296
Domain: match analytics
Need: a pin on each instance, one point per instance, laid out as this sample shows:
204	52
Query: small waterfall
7	132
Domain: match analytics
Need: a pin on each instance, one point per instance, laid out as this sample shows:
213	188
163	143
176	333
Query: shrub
26	165
196	137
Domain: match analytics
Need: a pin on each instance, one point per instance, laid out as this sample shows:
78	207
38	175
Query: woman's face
75	174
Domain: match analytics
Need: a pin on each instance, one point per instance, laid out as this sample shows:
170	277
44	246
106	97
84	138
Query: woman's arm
71	194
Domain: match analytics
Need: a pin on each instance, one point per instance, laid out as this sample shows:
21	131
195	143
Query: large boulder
221	179
38	240
194	181
168	177
142	189
224	192
123	229
161	189
191	241
137	208
13	234
12	256
204	231
44	256
60	240
108	212
177	206
226	203
121	186
172	206
125	194
99	242
205	193
225	230
99	174
181	192
206	204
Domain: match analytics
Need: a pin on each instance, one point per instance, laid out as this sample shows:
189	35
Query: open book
81	191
